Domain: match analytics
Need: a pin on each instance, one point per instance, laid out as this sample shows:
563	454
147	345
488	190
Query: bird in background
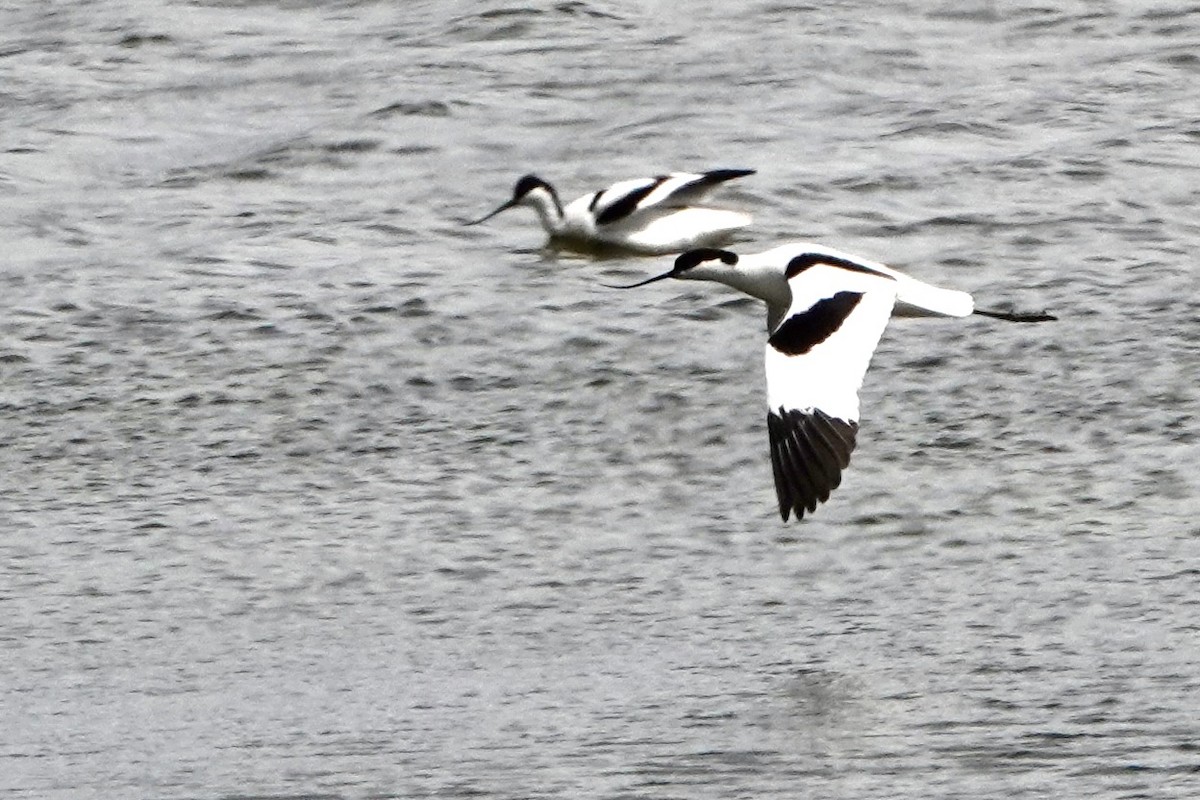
826	312
650	216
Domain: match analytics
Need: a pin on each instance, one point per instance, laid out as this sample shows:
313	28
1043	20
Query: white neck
763	281
548	209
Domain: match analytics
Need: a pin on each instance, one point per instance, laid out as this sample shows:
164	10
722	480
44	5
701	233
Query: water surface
308	491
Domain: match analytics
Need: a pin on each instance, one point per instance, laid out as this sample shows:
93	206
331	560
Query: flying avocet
652	216
826	312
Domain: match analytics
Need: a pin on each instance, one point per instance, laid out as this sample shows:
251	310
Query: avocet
652	216
826	312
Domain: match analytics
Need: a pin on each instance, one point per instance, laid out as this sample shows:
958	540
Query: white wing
676	190
913	297
815	360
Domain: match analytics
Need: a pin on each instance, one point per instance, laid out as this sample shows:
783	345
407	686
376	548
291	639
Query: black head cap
527	184
683	263
696	257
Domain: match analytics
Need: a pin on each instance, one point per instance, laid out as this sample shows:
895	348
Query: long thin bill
664	276
485	217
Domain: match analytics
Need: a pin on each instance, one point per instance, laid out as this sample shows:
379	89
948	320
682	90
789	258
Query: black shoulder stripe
595	199
802	332
806	260
627	204
809	450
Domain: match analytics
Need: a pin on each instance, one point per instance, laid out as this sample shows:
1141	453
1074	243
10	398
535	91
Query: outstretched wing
677	190
809	450
815	360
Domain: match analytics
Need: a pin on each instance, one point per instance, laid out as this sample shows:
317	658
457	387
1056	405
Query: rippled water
308	491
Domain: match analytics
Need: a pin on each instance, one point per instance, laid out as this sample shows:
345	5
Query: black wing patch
802	332
809	450
628	204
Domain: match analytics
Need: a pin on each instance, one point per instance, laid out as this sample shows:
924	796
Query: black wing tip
721	175
809	450
1008	316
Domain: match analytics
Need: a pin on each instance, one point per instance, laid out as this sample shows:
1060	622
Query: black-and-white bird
652	216
826	312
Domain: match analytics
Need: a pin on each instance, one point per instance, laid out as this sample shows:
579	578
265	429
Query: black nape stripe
693	258
627	204
806	260
802	332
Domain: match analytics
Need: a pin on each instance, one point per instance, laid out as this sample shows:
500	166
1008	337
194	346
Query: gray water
310	492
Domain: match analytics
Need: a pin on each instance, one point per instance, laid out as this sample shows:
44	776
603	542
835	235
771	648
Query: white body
763	275
657	230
